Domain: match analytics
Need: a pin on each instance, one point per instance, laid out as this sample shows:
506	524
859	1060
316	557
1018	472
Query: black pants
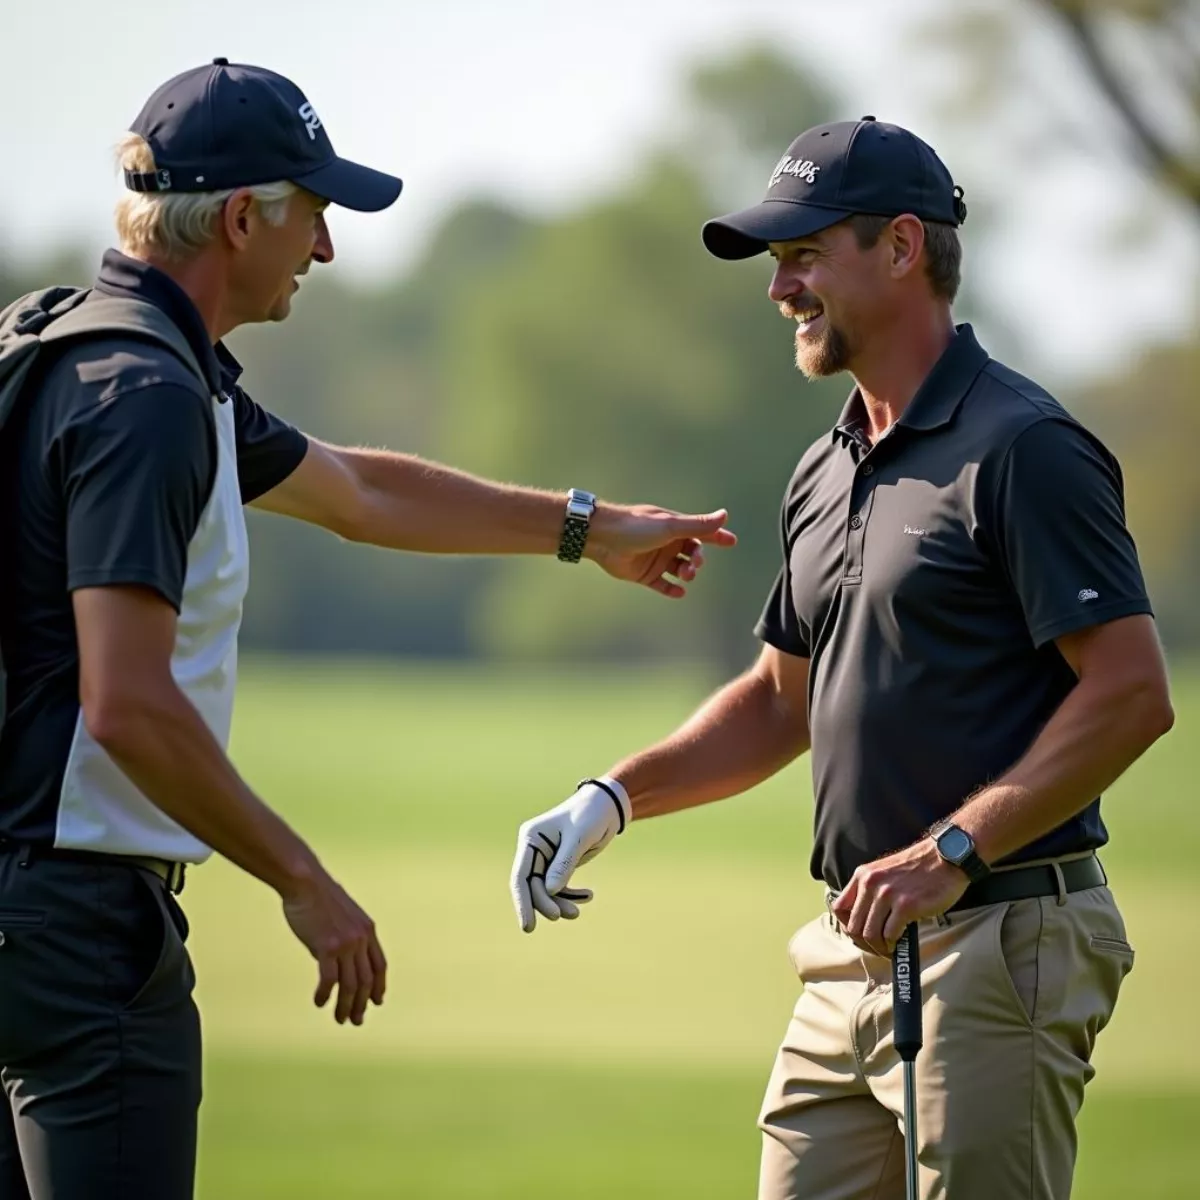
99	1035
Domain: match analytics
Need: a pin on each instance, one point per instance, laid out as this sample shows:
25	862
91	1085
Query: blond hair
174	225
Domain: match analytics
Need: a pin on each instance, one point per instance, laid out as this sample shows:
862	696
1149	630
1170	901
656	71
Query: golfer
126	462
959	632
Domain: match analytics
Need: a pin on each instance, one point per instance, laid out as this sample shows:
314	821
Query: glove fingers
542	900
519	885
578	895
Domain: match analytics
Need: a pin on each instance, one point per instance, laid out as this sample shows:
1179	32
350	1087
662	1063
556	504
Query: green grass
622	1055
280	1129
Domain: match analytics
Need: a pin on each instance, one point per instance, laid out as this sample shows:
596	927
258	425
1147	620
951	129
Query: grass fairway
622	1055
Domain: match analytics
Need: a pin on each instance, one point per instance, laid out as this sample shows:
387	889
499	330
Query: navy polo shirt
106	471
926	578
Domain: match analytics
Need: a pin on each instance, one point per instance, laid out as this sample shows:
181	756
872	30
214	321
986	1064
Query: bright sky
544	102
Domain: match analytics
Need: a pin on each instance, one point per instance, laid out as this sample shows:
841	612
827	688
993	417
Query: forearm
412	504
743	735
167	751
1091	740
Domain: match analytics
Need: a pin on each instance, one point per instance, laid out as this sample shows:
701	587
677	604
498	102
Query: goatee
826	355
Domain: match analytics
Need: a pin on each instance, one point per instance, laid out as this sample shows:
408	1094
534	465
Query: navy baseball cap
229	125
831	172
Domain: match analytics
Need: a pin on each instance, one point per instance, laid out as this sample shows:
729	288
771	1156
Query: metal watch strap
580	506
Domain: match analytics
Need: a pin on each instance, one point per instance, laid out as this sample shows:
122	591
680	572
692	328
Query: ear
239	217
906	237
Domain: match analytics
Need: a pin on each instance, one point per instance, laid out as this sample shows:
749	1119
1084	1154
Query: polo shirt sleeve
778	625
1061	531
136	473
268	448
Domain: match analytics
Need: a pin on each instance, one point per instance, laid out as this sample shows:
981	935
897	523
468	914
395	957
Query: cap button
868	118
220	62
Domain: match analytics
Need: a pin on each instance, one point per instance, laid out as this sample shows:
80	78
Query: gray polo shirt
926	579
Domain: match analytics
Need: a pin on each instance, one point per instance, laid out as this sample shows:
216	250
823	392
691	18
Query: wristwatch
580	507
958	847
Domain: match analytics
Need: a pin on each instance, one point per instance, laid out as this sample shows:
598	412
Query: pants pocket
1018	949
24	917
147	945
1112	945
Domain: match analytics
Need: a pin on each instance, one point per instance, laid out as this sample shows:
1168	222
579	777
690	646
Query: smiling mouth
806	318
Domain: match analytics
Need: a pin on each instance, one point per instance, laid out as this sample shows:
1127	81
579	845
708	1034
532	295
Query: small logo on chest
915	531
1087	594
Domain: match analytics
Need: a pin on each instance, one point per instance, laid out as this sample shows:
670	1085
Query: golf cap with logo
229	125
831	172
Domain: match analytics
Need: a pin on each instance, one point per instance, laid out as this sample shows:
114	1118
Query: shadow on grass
422	1131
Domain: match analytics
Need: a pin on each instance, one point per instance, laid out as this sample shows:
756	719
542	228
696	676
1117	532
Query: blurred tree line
606	349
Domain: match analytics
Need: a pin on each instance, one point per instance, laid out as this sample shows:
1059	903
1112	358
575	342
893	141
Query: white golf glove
551	846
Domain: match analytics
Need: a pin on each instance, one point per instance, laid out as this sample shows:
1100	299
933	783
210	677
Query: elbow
108	722
790	718
1164	717
351	520
118	721
1151	714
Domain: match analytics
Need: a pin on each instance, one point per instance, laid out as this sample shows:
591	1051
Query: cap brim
745	234
351	185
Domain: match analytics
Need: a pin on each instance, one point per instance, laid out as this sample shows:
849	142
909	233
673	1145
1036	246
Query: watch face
954	844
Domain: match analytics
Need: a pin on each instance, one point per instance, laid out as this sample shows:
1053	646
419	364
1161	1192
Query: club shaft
910	1130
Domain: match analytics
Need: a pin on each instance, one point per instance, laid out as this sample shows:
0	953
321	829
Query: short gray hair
943	250
175	225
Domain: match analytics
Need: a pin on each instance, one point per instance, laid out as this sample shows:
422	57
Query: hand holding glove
552	846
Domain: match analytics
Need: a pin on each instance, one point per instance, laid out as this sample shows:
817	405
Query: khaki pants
1013	994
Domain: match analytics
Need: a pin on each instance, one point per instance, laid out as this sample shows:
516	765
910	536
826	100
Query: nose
784	283
323	246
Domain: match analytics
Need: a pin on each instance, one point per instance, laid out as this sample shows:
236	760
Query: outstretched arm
749	730
403	502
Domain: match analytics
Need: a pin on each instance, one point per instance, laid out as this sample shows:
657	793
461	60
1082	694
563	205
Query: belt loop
24	854
1062	884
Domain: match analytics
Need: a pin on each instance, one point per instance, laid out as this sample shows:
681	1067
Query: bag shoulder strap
118	315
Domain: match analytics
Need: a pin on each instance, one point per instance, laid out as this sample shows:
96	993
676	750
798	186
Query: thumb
560	870
706	527
842	906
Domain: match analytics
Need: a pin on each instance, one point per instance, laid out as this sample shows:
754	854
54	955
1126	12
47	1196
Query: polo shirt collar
121	275
938	397
231	369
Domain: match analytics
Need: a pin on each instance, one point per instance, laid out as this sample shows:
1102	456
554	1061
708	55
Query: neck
205	288
898	361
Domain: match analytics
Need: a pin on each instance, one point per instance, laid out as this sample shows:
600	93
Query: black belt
170	872
1024	883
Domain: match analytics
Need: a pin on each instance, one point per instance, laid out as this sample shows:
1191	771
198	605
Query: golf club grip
906	994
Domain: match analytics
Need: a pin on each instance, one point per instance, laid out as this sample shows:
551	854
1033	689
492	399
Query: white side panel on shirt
100	809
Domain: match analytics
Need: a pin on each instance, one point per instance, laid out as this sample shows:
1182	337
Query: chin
280	310
828	355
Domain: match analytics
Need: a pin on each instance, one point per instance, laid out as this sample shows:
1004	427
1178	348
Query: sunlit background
538	307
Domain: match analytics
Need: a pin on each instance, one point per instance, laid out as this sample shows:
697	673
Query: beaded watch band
580	506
